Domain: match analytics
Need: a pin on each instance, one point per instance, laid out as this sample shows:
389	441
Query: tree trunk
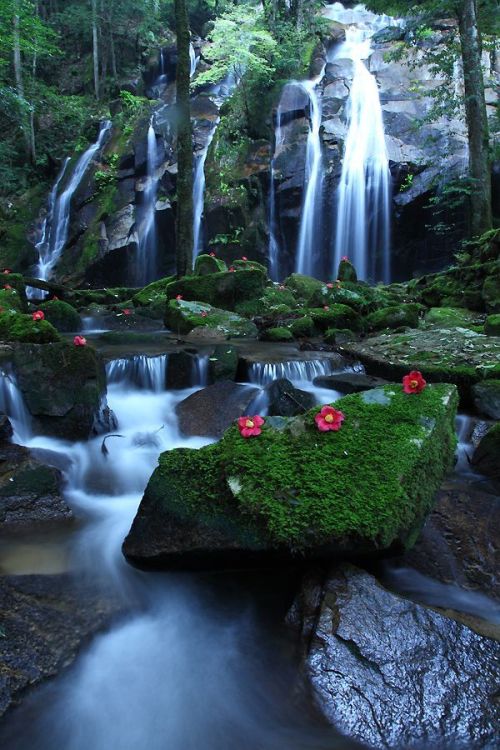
95	48
476	117
18	74
184	219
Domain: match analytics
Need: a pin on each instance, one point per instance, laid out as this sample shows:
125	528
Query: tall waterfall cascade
362	227
148	244
54	234
274	248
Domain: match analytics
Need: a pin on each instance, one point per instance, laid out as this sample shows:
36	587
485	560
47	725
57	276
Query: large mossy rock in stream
295	490
63	387
152	299
453	355
22	328
391	673
182	316
225	288
46	620
394	316
61	315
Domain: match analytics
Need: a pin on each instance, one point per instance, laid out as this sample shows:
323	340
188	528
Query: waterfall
199	375
56	231
364	193
139	371
311	220
193	59
199	191
263	373
148	245
13	406
274	248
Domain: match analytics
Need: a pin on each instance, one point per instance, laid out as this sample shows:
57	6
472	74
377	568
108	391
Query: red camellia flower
330	285
244	257
414	382
344	257
203	313
232	269
127	311
329	419
79	341
250	426
55	297
178	297
325	307
38	315
212	255
7	286
6	270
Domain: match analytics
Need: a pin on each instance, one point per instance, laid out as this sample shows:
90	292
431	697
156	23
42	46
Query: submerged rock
212	410
287	401
294	490
394	674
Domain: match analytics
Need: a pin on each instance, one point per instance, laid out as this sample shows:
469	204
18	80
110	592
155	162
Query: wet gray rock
212	410
486	458
394	674
349	382
45	621
487	398
287	401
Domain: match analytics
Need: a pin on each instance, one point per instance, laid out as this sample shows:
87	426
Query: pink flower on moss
38	315
127	311
325	307
250	426
330	285
232	269
7	286
203	313
178	297
329	419
414	382
80	341
212	255
6	270
244	258
345	258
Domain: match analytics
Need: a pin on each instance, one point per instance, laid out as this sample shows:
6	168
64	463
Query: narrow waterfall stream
146	268
55	231
199	191
198	662
274	248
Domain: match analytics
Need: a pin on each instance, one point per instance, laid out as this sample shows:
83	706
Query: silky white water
55	231
199	191
274	248
364	193
148	242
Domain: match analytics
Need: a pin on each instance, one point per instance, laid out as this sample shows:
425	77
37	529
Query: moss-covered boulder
13	292
275	300
16	326
492	325
338	335
395	316
294	490
303	327
336	316
454	317
206	264
303	287
346	271
223	363
487	398
61	315
240	264
152	299
63	387
452	355
225	288
183	316
280	333
491	291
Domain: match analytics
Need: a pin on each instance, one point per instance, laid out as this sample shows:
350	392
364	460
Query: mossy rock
303	287
293	490
274	300
487	398
360	298
10	299
63	316
346	271
16	326
338	336
223	289
223	363
280	333
85	297
456	355
245	265
183	316
492	325
206	264
395	316
303	327
63	387
454	317
337	316
152	299
491	292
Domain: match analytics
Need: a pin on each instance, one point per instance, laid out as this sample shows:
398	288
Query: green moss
277	334
491	291
15	251
338	335
303	287
205	264
184	316
274	300
363	487
346	271
454	317
394	316
224	289
245	265
15	326
63	316
337	316
492	325
10	299
303	327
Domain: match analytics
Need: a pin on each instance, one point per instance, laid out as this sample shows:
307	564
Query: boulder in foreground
296	491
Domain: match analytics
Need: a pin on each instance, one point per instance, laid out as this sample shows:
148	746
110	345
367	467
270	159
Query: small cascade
56	231
139	371
199	375
262	373
148	245
311	219
13	406
364	193
274	248
464	427
193	59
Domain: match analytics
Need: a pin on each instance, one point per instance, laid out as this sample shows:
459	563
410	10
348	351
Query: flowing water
55	228
198	662
199	191
193	60
274	248
364	193
147	252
